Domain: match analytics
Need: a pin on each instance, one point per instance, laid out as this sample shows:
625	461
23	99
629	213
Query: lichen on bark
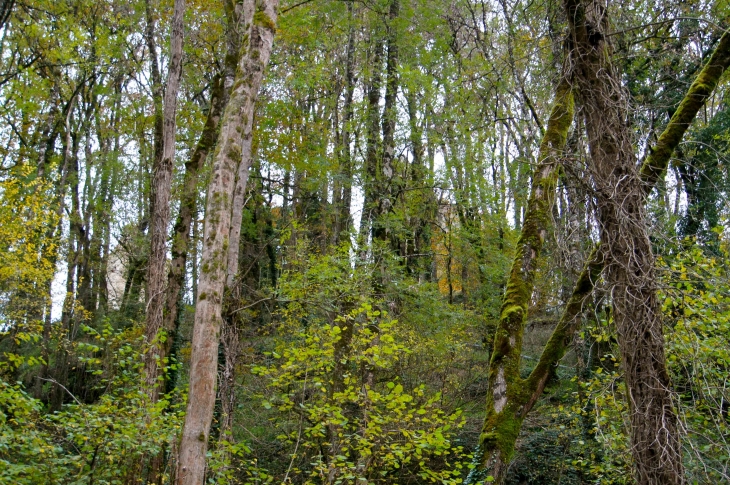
206	330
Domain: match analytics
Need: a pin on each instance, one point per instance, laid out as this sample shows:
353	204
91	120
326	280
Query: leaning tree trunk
627	252
220	93
239	192
206	331
506	387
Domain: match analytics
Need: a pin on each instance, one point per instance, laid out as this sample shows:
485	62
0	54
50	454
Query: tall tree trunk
384	176
160	211
156	78
343	218
505	385
188	209
67	313
230	338
50	249
424	215
235	128
629	260
239	193
372	146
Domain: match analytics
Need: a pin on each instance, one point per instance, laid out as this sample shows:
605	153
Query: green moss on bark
656	163
502	425
263	20
501	430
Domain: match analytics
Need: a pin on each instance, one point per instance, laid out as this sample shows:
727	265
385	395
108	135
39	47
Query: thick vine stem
652	171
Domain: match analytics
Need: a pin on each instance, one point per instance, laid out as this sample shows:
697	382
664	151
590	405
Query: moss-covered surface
656	163
503	421
261	19
562	336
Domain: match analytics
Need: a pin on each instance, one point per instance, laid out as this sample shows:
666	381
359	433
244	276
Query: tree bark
629	260
235	128
220	94
160	212
343	218
384	176
239	193
655	165
372	146
6	8
188	209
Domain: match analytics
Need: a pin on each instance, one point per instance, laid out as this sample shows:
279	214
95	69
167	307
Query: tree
498	445
260	26
507	391
160	210
341	361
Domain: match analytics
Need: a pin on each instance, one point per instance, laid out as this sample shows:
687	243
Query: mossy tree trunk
373	143
652	170
206	330
655	165
343	186
506	389
239	193
230	338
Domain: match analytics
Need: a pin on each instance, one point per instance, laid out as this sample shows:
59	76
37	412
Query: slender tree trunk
384	176
235	128
373	145
239	193
231	346
67	312
343	218
53	233
230	339
420	263
160	211
156	77
188	209
505	385
6	8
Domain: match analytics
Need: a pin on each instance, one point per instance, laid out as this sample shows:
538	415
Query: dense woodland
364	242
